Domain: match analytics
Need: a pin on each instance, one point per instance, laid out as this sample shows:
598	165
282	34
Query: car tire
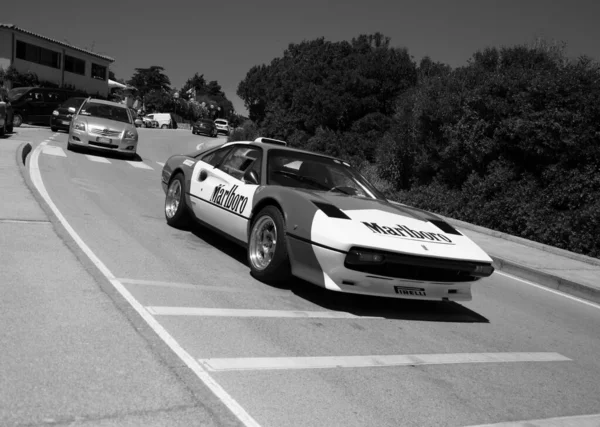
164	127
3	130
9	128
17	120
176	211
268	226
53	128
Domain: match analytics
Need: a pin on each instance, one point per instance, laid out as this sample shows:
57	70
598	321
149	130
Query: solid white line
270	363
161	163
204	376
139	165
592	420
217	288
554	291
54	151
97	159
232	312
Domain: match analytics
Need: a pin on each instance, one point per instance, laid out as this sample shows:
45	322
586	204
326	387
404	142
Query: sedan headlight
79	125
130	135
55	113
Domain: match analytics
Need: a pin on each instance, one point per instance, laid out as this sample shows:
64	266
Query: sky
223	39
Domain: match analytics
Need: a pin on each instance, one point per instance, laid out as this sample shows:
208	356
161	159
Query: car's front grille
105	132
412	267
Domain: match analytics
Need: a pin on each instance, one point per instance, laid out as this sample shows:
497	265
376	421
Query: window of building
74	65
98	72
38	55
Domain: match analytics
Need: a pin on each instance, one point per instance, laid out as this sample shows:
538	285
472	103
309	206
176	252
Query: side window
53	97
240	160
216	156
35	96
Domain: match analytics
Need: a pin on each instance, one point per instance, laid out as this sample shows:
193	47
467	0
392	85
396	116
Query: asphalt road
198	288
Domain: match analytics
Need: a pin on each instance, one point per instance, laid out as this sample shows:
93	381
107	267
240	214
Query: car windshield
220	122
206	122
317	173
16	93
106	111
73	102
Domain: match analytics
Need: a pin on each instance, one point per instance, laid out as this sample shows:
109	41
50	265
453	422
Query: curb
547	280
530	243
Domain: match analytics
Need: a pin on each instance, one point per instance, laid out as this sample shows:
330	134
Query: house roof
21	30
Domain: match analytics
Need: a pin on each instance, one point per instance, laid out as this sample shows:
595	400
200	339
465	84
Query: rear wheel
176	211
267	247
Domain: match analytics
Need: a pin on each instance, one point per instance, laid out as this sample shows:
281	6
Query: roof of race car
266	146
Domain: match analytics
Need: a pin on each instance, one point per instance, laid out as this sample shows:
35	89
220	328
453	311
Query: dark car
36	104
205	126
61	118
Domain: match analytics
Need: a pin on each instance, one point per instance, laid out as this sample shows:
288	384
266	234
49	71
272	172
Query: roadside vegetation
510	141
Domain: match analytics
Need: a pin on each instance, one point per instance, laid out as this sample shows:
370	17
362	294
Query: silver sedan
103	125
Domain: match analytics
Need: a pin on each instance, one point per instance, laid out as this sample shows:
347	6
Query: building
54	61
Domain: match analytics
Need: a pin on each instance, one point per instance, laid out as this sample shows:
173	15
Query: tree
146	80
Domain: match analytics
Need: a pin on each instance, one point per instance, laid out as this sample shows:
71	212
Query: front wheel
17	120
176	211
164	127
53	128
267	247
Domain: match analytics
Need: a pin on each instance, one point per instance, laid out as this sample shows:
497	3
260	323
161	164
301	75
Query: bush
248	131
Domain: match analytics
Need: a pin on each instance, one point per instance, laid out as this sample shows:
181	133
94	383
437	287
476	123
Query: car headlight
79	125
130	135
55	113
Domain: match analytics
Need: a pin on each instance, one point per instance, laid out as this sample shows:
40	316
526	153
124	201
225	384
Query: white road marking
97	159
161	163
204	376
199	146
54	151
270	363
544	288
233	312
139	165
592	420
216	288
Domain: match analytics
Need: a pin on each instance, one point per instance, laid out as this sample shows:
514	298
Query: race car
312	216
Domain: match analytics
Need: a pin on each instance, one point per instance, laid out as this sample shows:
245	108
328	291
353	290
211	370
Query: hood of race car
343	222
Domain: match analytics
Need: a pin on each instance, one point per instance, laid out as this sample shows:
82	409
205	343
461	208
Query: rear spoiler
265	140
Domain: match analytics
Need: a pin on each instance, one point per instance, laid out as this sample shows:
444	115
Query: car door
225	190
33	106
53	99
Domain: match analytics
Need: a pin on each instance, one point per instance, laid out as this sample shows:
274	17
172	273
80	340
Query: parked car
165	120
223	126
103	125
205	126
147	122
61	118
36	104
6	112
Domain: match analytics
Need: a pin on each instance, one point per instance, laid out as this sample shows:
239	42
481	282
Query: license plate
65	122
105	140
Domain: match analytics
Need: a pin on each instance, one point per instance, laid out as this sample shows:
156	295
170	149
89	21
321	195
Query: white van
165	120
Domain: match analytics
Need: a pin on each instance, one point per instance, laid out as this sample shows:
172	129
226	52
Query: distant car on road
61	117
316	217
222	126
165	120
103	125
205	126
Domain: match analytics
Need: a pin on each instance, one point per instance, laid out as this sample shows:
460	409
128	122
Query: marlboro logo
403	231
229	199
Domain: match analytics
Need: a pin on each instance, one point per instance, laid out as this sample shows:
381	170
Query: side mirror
72	110
251	177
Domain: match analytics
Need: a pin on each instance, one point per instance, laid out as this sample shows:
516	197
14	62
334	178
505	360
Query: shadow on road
359	305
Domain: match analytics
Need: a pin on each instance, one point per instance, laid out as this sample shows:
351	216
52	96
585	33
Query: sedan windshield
16	93
105	111
313	172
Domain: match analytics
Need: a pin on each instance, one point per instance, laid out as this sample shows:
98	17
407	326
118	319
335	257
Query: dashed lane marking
233	312
271	363
244	417
139	165
592	420
54	151
97	159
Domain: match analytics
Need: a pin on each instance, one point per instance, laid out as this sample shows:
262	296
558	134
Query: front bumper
330	272
114	144
60	122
